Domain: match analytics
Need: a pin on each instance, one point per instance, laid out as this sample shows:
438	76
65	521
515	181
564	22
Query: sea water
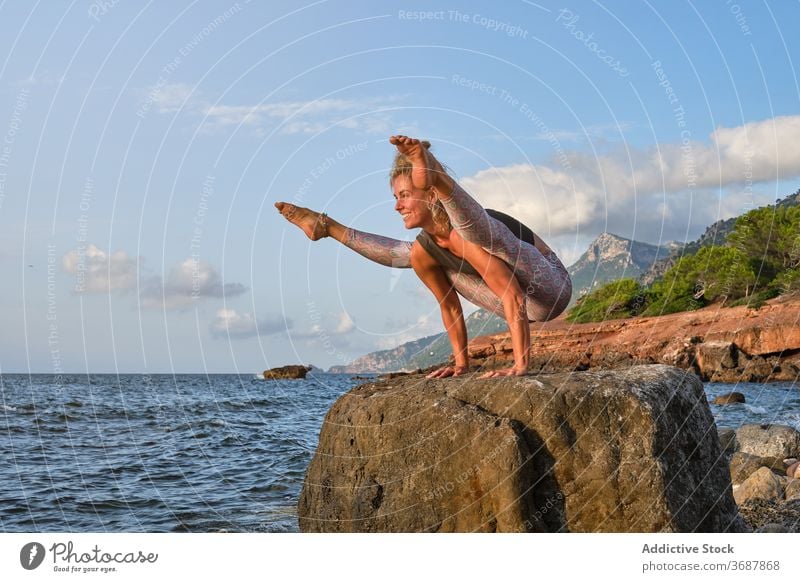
161	453
170	453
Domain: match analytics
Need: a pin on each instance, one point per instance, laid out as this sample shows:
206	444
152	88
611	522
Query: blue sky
144	144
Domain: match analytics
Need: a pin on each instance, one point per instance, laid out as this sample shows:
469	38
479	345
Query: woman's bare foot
308	220
418	155
426	172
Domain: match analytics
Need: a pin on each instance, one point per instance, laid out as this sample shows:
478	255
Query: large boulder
727	438
762	484
714	356
627	451
742	465
792	489
768	440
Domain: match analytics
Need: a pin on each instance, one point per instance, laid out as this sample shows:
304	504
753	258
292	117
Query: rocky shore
719	344
763	462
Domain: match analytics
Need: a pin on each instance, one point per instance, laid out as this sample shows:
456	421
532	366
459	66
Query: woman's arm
432	274
501	280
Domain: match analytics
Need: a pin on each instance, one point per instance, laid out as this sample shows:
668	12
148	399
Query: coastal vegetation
759	260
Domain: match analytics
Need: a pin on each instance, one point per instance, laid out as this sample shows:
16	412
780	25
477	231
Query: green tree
788	281
714	273
614	300
723	273
768	237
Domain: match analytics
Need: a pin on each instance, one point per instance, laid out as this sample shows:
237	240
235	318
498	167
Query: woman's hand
506	372
448	371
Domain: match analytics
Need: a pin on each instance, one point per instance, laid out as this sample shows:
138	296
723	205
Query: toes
402	140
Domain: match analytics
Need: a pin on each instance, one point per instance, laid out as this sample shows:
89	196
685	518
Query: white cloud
333	325
633	192
425	325
770	146
167	98
234	115
96	271
230	323
346	323
190	280
170	98
367	115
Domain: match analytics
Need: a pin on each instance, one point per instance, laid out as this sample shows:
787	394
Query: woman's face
412	203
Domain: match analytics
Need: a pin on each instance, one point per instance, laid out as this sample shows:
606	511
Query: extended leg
381	249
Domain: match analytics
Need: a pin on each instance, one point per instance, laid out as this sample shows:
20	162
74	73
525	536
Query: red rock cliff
720	344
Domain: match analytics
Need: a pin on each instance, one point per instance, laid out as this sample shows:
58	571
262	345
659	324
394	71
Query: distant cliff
399	359
612	257
421	353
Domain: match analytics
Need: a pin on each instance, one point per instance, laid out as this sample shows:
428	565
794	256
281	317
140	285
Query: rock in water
729	398
619	451
286	373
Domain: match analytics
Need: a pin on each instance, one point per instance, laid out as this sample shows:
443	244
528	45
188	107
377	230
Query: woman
461	250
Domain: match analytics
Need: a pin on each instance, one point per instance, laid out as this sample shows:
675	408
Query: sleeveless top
450	261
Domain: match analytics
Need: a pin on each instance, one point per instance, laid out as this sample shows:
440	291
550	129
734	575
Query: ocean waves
158	453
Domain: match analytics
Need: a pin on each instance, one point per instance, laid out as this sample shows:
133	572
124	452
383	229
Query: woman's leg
384	250
542	276
381	249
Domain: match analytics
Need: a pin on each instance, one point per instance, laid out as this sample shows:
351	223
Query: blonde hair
402	167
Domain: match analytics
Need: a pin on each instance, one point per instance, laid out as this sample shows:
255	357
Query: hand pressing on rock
448	371
503	373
